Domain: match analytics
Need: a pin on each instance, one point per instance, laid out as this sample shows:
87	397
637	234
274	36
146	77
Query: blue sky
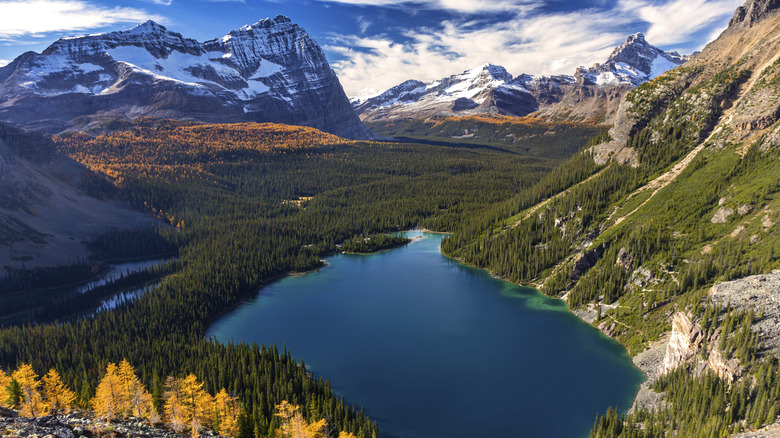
375	44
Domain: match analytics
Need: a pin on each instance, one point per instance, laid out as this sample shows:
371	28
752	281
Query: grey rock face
753	11
271	71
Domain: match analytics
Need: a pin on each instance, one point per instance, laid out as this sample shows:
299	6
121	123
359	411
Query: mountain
46	210
664	235
271	71
489	89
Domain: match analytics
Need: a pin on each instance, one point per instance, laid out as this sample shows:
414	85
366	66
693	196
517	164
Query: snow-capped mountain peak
271	70
632	63
490	88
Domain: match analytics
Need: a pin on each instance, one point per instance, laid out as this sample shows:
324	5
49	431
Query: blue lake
432	348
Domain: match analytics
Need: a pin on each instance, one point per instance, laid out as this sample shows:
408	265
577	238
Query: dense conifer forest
245	204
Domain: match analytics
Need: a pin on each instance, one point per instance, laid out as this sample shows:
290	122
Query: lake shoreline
460	288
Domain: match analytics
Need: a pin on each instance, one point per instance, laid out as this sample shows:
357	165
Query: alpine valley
641	194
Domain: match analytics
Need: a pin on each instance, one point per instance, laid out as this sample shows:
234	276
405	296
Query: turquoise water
432	348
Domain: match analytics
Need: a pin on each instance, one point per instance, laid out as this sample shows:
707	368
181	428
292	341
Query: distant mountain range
593	92
271	71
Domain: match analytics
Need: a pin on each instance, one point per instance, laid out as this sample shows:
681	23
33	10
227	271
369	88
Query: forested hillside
248	203
686	197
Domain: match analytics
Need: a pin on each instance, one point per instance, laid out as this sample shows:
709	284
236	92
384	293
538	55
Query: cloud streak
527	40
676	21
465	6
37	17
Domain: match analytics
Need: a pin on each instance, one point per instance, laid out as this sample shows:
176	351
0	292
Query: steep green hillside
686	197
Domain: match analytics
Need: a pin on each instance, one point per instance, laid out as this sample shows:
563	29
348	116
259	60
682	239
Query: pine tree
31	403
58	397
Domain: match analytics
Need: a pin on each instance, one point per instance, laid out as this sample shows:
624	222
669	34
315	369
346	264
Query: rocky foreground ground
74	426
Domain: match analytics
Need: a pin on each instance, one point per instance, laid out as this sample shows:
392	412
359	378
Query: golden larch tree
58	397
226	413
137	401
175	415
5	394
294	426
198	404
108	402
343	434
32	403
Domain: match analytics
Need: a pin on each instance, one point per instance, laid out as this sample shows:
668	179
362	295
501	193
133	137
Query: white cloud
466	6
161	2
527	41
676	21
4	62
553	44
35	17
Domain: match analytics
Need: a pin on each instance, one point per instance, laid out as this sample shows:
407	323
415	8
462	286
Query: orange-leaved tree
121	394
108	403
31	404
187	404
226	413
5	383
294	426
138	401
59	398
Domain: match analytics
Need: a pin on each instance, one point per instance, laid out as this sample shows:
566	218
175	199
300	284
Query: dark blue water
432	348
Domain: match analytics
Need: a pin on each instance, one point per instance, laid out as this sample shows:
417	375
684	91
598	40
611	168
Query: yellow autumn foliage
32	404
58	397
5	380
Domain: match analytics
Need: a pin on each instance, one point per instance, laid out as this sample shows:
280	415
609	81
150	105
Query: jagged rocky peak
633	62
270	71
753	11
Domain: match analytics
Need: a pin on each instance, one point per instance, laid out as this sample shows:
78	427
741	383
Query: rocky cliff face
752	12
593	92
271	71
684	342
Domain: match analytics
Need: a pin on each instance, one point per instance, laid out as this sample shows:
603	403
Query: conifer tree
108	403
294	426
198	404
5	383
226	413
31	404
137	400
57	396
175	415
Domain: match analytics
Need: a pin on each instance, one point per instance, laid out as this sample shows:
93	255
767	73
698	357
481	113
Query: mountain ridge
270	71
489	89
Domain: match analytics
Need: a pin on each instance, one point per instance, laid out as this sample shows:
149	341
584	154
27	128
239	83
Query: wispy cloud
37	17
676	21
525	40
467	6
553	44
4	62
161	2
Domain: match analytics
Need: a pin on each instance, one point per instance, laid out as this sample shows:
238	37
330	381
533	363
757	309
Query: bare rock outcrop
752	12
758	293
722	215
684	342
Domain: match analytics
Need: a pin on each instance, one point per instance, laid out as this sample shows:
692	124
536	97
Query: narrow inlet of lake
434	349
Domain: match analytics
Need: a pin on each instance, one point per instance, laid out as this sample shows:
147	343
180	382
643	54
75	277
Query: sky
376	44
